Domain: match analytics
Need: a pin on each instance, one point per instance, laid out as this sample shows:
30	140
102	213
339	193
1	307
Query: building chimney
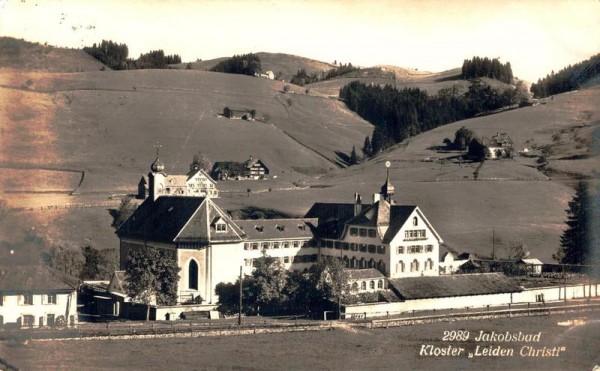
357	204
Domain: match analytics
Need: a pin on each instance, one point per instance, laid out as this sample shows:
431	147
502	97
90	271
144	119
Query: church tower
156	177
387	189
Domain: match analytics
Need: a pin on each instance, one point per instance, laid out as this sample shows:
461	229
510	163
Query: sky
536	37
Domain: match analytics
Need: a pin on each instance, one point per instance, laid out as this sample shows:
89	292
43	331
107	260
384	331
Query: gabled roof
364	274
453	285
201	226
373	215
160	220
178	219
117	283
331	218
254	161
228	165
193	173
34	278
531	261
272	229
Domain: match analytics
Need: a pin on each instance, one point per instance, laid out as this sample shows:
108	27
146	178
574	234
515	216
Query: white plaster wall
407	258
13	307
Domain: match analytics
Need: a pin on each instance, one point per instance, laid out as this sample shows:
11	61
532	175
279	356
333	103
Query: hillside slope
284	66
23	55
395	76
511	199
107	122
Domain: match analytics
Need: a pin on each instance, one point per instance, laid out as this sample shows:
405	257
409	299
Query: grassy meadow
342	348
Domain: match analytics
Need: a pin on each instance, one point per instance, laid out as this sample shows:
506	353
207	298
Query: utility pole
494	244
240	311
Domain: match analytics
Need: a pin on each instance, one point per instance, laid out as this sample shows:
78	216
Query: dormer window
219	225
259	228
280	227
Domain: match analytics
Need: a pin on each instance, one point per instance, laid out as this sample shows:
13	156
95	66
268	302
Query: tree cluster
154	59
567	79
245	64
485	67
579	242
302	77
86	263
126	208
110	53
152	273
400	114
115	56
201	161
273	290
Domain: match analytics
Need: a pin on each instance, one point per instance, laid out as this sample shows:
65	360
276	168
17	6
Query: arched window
362	263
414	266
193	275
372	285
355	286
353	262
363	285
371	263
401	266
430	263
381	266
415	221
346	261
380	284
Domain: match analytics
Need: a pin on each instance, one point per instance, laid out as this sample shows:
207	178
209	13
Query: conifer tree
367	149
353	156
579	242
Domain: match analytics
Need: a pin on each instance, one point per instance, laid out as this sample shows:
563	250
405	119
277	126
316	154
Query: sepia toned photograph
299	185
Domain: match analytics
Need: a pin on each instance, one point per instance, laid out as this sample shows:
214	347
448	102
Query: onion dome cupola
387	189
157	166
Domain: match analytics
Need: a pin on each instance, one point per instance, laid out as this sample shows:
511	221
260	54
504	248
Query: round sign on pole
388	164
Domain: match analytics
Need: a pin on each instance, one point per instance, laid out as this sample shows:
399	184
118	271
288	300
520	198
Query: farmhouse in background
250	169
500	146
239	113
196	183
36	296
267	75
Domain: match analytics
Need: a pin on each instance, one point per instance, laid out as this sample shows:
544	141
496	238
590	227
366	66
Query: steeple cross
157	146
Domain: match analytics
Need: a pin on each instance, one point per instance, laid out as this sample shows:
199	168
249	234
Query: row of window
363	285
416	234
363	232
416	249
362	263
28	299
288	259
415	266
274	245
362	247
29	320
